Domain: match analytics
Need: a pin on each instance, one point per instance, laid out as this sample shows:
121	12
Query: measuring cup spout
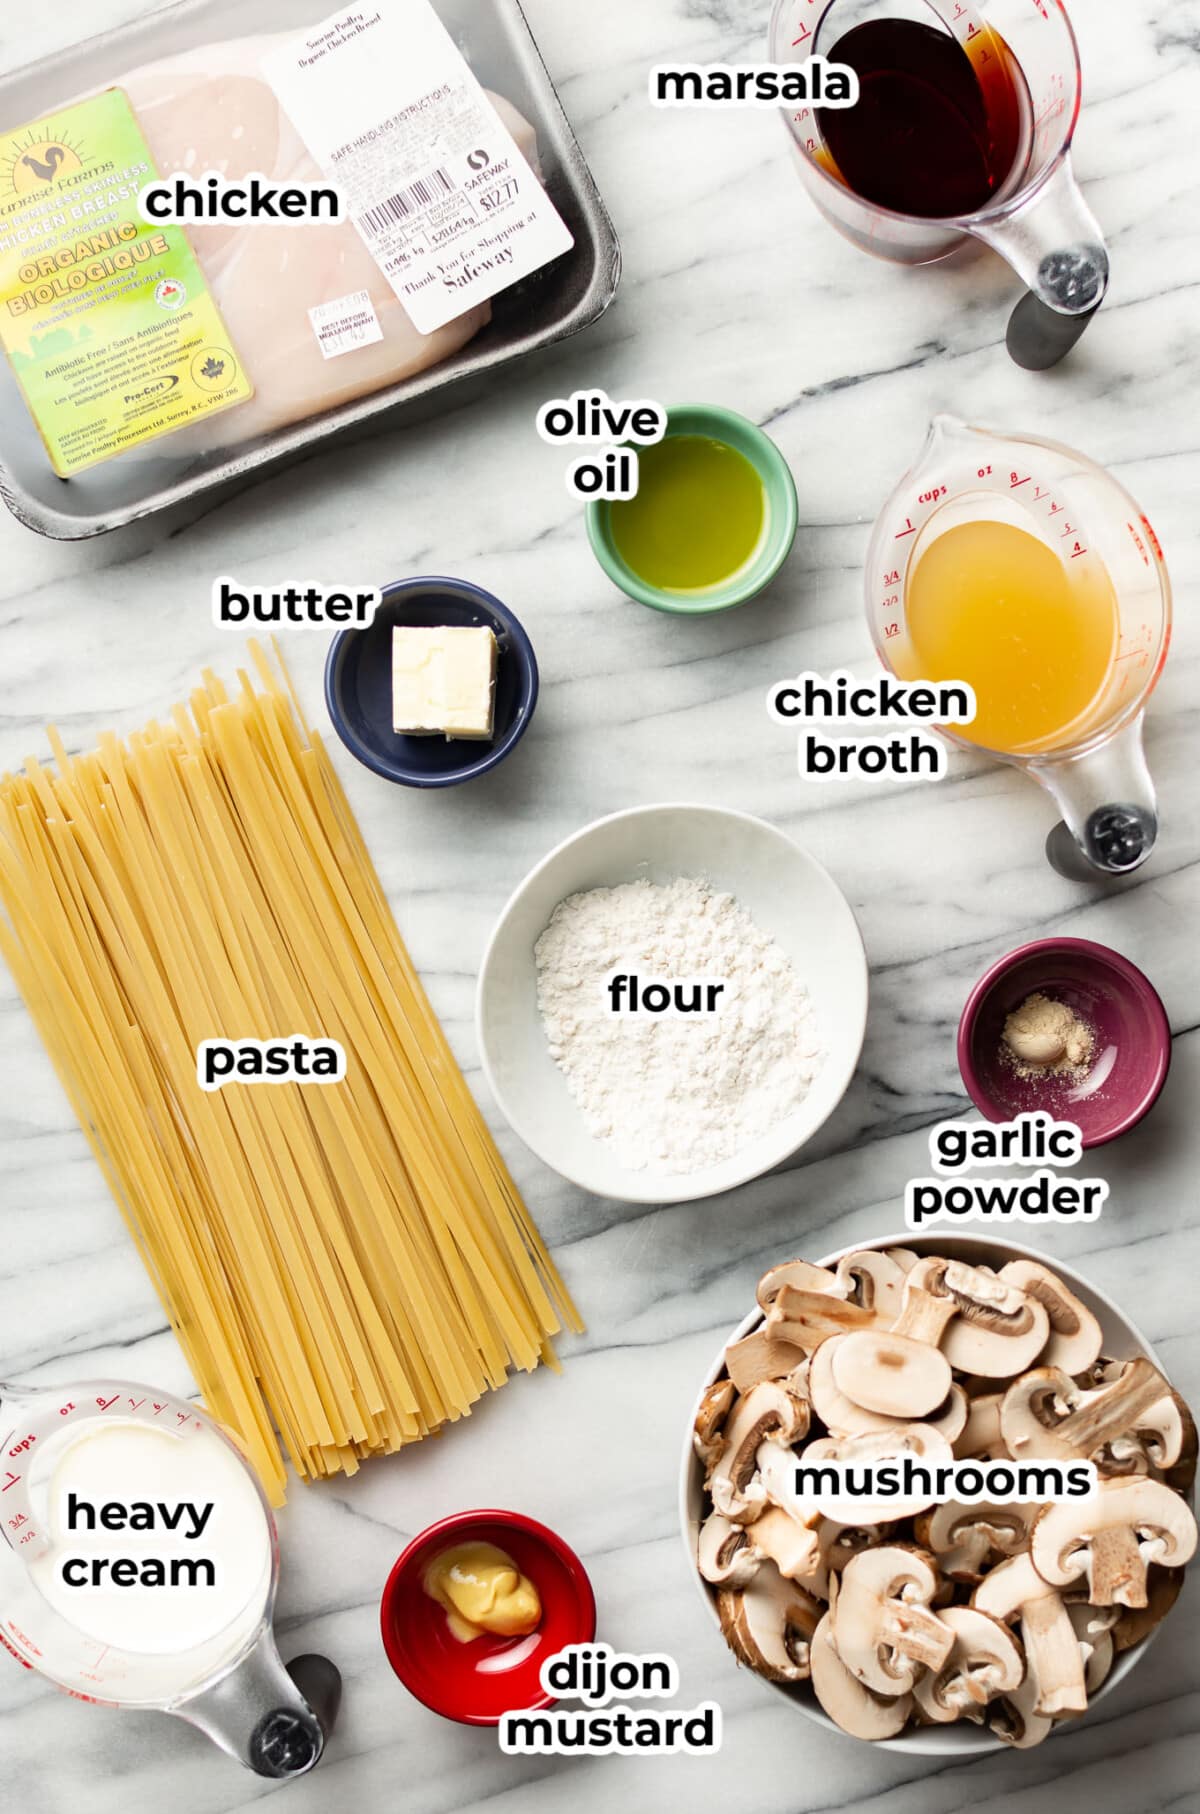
1110	815
1052	240
258	1714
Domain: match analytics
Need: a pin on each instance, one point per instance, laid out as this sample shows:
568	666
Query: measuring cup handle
273	1720
1117	839
1039	337
1053	242
1108	805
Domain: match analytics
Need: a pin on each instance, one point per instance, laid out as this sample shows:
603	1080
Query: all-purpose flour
674	1092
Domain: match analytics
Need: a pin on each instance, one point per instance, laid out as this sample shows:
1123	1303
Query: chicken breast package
212	109
157	321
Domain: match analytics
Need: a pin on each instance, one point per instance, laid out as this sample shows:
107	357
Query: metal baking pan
556	302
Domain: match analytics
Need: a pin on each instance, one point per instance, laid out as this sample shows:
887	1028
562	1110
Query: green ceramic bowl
780	488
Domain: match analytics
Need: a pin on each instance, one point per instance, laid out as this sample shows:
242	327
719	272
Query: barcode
406	201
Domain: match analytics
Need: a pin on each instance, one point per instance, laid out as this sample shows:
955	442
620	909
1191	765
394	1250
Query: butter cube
444	681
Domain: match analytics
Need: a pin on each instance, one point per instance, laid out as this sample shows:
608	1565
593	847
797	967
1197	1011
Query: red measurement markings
106	1404
1039	494
909	529
1154	542
12	1480
135	1404
1056	509
14	1652
805	32
158	1409
22	1637
1015	482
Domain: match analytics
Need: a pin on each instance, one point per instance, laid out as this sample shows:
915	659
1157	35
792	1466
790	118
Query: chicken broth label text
106	318
443	197
842	705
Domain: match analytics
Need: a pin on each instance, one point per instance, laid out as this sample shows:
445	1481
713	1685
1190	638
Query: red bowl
478	1682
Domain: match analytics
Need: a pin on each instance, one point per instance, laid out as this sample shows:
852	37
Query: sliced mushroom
999	1331
883	1627
769	1625
801	1274
1135	1414
1112	1538
842	1417
892	1374
770	1413
981	1437
874	1281
850	1704
1180	1476
759	1356
1014	1717
726	1553
840	1542
985	1662
926	1309
1162	1440
714	1408
1015	1590
808	1318
794	1548
904	1257
966	1539
1075	1334
1093	1632
1133	1626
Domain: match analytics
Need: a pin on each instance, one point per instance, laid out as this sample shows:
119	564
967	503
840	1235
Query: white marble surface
734	292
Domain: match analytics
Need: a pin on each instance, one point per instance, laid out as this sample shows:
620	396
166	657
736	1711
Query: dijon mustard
482	1590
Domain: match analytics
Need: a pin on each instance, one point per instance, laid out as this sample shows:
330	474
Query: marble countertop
734	292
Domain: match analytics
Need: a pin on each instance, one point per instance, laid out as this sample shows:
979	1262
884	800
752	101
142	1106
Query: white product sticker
446	203
344	323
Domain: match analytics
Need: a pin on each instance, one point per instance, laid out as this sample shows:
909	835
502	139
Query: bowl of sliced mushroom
938	1626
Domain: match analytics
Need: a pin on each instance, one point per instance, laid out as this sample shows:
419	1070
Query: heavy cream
158	1541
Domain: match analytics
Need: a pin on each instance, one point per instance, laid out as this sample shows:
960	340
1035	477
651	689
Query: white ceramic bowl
788	895
1122	1341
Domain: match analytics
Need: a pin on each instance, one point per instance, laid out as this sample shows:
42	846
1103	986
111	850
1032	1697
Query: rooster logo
32	165
44	167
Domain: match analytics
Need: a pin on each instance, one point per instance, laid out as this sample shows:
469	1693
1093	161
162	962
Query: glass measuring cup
1038	221
1098	774
232	1685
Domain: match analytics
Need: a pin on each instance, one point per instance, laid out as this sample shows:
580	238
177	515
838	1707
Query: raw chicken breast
211	109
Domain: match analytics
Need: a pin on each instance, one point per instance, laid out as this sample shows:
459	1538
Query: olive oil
699	517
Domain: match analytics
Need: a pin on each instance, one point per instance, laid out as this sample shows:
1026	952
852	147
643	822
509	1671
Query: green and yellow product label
105	317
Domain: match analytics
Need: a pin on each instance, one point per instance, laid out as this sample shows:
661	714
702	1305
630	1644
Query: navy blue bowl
358	685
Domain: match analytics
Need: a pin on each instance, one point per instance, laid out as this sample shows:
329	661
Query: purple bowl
1133	1038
